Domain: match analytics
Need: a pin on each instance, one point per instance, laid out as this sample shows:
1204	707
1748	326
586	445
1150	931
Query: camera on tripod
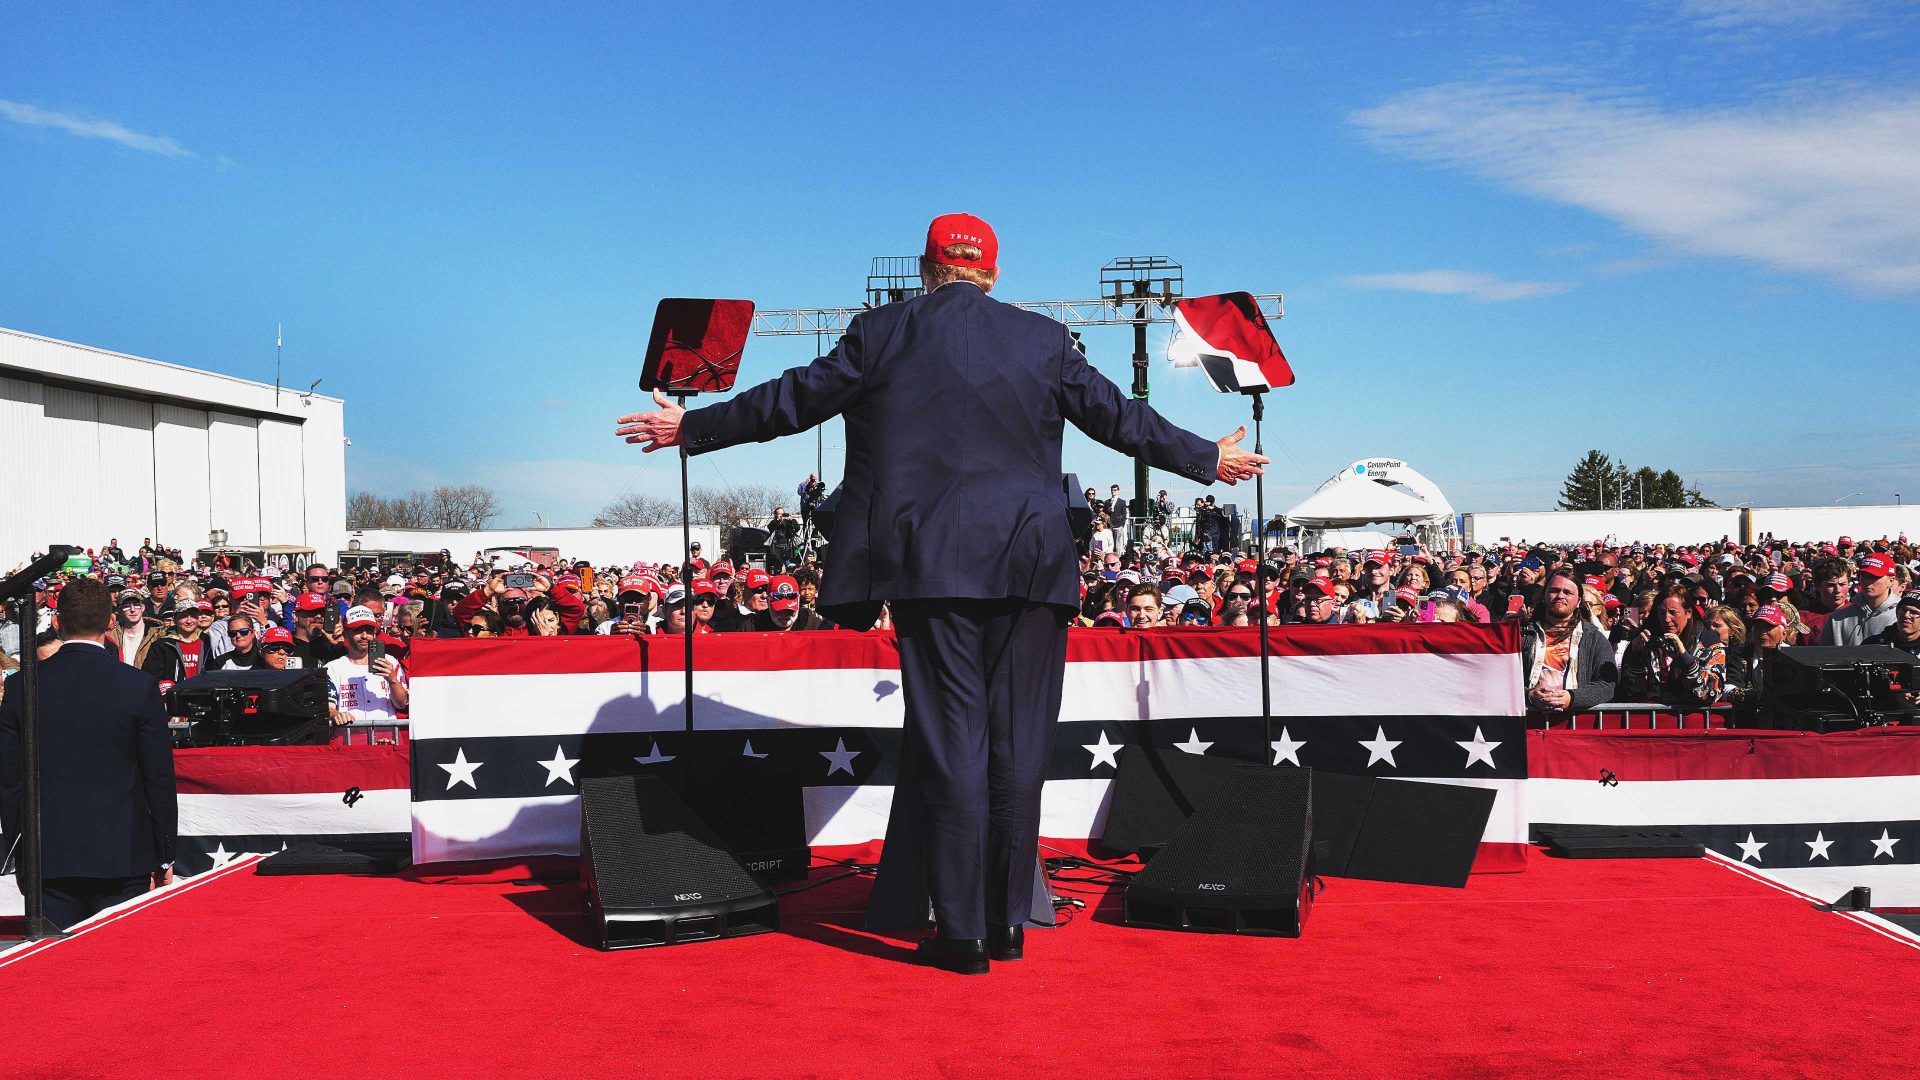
1837	687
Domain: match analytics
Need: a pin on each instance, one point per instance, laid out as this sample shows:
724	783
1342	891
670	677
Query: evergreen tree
1587	486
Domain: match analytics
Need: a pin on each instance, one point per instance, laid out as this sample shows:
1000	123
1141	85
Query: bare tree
365	510
747	504
466	507
636	509
469	506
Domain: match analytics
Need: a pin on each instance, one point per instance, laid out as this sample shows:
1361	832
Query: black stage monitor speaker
1378	829
654	873
256	707
755	804
1383	829
1239	864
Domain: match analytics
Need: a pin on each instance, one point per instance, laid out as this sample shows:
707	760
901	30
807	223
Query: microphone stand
32	866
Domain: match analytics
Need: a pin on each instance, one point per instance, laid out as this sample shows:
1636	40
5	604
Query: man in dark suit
952	512
108	810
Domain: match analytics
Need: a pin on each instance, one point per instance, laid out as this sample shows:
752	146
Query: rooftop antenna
278	340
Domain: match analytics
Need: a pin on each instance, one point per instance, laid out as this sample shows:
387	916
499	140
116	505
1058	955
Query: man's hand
655	430
1237	464
496	583
387	668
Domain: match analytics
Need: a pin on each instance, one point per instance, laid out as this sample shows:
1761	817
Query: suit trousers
70	900
982	681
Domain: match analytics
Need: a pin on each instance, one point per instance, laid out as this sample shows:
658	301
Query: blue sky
1686	232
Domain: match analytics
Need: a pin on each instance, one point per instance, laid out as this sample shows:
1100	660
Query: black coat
970	507
108	806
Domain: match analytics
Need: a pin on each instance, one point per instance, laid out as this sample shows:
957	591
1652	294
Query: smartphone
519	581
376	652
1515	604
1426	611
331	617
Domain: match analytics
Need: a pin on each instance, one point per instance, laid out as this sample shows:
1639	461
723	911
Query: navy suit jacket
108	807
955	405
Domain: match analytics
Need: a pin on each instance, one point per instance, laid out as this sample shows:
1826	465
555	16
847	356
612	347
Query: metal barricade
1650	716
384	733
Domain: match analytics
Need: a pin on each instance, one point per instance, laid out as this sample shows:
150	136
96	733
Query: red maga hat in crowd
1771	615
759	579
1878	564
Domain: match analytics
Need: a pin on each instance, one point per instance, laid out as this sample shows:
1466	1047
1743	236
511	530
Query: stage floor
1616	967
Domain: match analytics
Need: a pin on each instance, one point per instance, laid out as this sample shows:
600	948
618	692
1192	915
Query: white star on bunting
1193	745
221	856
839	759
747	751
654	756
1380	748
1479	749
1286	748
460	770
1884	845
1105	752
1818	846
560	768
1751	849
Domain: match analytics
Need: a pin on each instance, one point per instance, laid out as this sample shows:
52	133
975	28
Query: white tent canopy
1378	491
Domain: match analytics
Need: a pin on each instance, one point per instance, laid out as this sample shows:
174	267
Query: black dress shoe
1006	942
962	956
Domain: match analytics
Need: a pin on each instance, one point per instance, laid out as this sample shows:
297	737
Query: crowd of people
1682	626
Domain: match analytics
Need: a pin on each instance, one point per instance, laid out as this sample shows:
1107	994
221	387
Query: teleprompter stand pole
1260	578
686	576
32	866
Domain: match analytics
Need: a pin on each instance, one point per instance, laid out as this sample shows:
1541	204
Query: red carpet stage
1626	968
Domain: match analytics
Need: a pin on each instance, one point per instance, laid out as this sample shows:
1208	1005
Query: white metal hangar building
100	445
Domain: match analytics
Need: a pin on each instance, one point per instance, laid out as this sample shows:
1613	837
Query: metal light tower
1136	281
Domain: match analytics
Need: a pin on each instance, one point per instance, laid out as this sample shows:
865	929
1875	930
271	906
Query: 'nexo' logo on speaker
686	896
1212	887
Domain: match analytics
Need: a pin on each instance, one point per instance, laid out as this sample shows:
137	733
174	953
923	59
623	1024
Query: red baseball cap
276	635
760	579
1322	586
788	585
1771	615
1407	593
962	229
1780	583
310	601
1245	566
719	568
1877	564
633	584
702	585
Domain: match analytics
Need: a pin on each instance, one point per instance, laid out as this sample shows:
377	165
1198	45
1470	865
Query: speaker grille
650	850
1238	865
1246	836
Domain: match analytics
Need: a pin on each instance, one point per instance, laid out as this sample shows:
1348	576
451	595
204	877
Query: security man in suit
108	808
951	511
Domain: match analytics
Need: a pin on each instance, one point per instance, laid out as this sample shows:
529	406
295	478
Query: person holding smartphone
371	686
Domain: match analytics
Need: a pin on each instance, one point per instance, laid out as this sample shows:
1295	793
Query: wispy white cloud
1468	283
1748	14
1829	187
88	128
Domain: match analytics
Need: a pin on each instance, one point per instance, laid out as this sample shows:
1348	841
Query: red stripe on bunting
1723	755
289	770
847	649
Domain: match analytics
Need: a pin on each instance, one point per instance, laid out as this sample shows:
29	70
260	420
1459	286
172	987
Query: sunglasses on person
476	629
703	600
1238	595
240	631
218	608
276	648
